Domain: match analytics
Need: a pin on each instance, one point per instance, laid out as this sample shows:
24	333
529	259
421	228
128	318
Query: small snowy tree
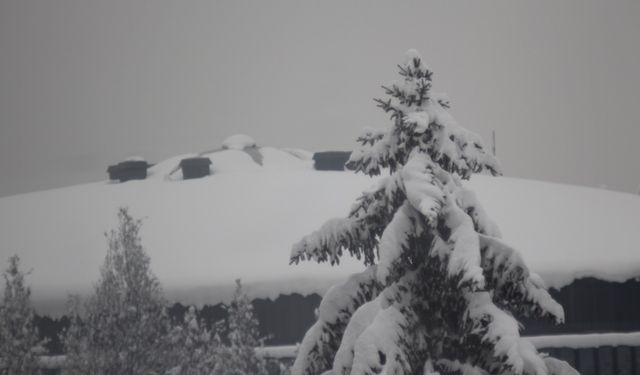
239	357
19	341
123	326
441	292
195	348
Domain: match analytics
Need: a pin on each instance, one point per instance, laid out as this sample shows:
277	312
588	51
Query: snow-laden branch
481	221
321	342
501	331
522	292
376	350
396	244
359	232
361	319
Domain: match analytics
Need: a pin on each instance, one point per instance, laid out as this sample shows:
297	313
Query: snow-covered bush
19	341
197	350
441	293
122	327
194	347
239	356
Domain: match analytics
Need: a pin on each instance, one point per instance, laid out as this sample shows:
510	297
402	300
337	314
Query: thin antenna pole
493	136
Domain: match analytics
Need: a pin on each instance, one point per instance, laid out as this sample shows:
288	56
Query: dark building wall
593	305
590	305
283	321
287	318
51	330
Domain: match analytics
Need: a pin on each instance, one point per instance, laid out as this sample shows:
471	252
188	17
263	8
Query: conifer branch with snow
443	292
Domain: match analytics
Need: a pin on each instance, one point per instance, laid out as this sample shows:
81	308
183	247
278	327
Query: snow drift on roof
238	142
134	158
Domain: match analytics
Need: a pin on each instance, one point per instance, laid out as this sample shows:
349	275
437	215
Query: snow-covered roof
134	158
241	222
238	142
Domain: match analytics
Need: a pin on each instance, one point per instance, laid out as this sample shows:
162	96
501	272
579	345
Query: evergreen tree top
420	122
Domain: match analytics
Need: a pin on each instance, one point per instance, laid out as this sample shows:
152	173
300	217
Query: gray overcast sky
86	83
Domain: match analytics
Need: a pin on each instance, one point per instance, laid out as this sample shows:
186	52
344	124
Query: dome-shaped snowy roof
242	221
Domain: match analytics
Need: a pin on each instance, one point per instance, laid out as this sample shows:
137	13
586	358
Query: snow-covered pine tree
441	292
19	340
121	328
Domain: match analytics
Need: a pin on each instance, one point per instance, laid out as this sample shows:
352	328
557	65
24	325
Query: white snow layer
592	340
134	158
241	222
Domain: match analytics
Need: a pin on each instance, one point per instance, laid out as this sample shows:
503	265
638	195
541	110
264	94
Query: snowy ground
241	221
